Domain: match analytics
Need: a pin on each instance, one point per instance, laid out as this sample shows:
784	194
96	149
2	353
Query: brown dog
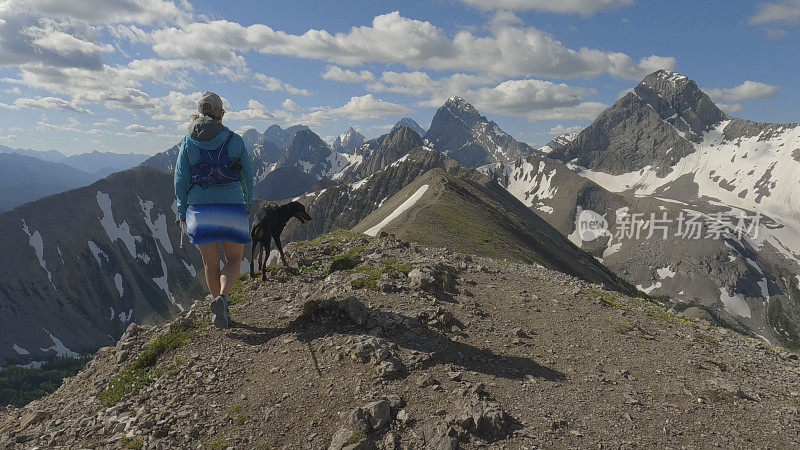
268	224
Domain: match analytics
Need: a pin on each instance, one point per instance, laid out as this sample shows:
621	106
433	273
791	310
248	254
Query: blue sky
123	75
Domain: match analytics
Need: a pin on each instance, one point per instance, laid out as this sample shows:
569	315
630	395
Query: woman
214	188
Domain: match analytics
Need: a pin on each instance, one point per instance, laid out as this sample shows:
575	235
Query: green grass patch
364	283
346	260
142	370
238	414
390	264
132	443
355	438
217	444
624	327
605	298
374	273
20	386
707	338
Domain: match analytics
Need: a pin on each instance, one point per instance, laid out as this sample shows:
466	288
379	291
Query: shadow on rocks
321	318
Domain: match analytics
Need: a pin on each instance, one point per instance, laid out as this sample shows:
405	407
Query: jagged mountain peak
402	134
251	137
306	137
462	108
348	140
250	132
675	96
281	136
411	123
461	132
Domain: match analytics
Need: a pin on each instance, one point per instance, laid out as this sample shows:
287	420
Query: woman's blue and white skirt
216	222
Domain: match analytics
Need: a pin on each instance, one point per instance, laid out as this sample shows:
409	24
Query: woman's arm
246	178
182	179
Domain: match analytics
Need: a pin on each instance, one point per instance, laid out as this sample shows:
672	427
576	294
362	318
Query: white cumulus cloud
392	38
53	103
336	73
786	11
745	91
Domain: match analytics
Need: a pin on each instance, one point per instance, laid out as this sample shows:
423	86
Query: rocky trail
379	343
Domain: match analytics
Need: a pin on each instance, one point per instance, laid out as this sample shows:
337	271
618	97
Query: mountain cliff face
393	146
251	137
306	160
415	347
463	134
348	140
78	267
654	126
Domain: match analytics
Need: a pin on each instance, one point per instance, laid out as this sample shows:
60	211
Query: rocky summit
381	343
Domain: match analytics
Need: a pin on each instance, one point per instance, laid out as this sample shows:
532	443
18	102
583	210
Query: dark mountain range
103	164
79	266
44	155
24	179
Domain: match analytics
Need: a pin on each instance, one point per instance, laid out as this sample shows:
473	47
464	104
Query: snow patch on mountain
189	268
158	227
114	231
649	289
126	317
341	162
411	201
61	350
20	350
35	241
158	230
118	284
735	304
97	253
665	272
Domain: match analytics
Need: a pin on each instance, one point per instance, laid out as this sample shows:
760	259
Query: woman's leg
233	260
210	253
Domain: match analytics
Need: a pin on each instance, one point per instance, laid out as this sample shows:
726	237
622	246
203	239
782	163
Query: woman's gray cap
210	104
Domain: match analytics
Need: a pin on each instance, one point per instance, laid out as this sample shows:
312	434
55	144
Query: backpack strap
219	150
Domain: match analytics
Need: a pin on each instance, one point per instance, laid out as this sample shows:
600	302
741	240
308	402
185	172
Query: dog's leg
280	250
260	255
253	244
265	246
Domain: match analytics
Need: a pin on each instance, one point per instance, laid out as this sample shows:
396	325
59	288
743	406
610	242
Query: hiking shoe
219	312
